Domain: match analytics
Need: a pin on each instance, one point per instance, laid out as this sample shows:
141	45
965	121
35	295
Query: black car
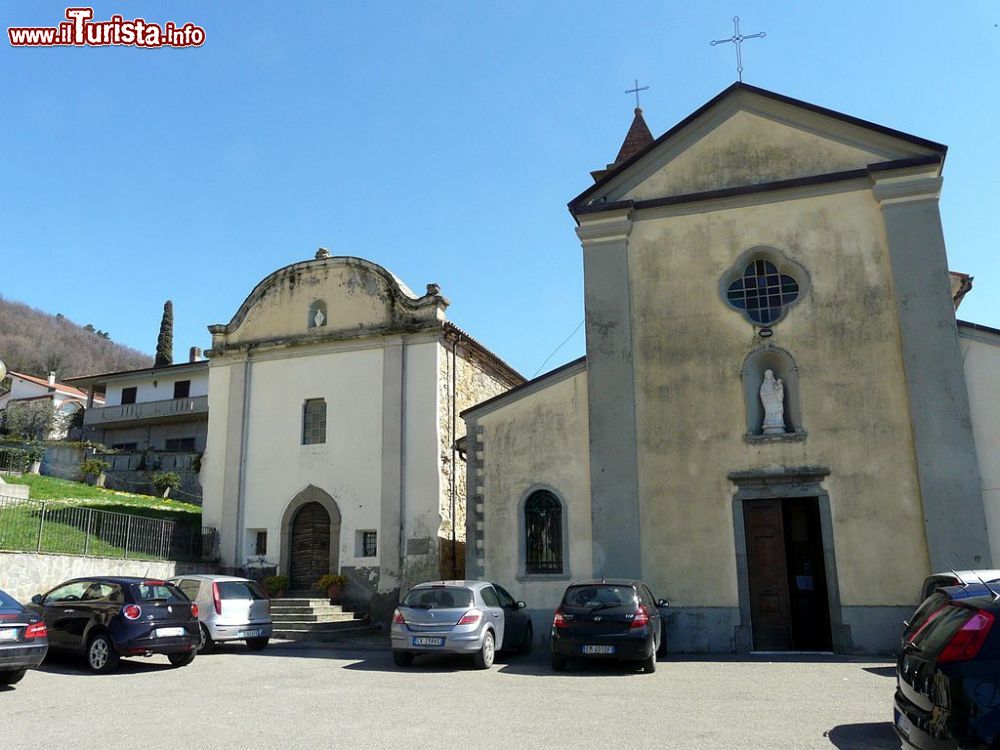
107	618
948	676
23	640
616	619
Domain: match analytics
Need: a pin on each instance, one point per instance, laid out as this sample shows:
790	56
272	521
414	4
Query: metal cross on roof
636	91
737	39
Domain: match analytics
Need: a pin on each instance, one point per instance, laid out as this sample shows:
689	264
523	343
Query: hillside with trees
36	343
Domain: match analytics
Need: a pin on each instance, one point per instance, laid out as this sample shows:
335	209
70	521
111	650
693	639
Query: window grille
314	421
369	543
543	533
762	293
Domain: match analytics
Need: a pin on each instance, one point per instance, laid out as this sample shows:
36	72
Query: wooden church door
310	540
770	614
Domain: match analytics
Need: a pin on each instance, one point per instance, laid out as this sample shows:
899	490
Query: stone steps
310	618
345	631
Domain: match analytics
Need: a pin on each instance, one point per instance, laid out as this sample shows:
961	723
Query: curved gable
356	297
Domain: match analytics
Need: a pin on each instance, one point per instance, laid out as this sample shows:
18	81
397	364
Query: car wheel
181	660
402	658
9	678
206	645
101	655
484	659
257	644
526	644
558	663
649	665
661	650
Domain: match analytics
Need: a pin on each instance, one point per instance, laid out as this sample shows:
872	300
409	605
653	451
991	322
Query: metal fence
13	460
35	526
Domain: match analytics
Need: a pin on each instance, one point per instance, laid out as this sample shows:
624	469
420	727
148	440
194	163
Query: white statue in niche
772	396
319	318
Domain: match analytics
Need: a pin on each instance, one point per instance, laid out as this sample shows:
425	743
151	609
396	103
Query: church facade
334	394
771	425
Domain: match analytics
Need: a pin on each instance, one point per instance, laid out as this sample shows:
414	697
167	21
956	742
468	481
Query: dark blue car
108	618
948	672
23	641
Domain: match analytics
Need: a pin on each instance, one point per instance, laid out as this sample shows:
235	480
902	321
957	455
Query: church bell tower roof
637	138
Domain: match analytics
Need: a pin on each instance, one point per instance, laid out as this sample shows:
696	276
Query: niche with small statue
771	396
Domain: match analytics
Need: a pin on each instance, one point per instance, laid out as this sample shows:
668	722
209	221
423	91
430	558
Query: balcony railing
171	408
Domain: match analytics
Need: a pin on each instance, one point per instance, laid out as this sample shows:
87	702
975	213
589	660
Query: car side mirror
36	599
521	605
661	603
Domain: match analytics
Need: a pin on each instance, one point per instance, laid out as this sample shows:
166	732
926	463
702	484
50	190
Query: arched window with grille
543	526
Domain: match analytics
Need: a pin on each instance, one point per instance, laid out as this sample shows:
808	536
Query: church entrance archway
311	538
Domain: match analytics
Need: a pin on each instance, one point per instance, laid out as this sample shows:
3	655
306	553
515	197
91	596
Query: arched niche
782	364
317	314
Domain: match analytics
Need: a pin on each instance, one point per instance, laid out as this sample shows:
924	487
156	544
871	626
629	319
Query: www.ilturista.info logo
80	30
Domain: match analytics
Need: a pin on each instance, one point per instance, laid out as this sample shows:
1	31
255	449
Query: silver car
460	617
229	608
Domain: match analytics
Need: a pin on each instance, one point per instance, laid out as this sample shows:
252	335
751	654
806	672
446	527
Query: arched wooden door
310	546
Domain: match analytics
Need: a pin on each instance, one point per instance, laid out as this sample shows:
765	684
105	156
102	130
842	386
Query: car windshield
240	590
157	591
599	596
439	597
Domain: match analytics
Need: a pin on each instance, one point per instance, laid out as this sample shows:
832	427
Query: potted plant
333	585
276	586
164	481
93	468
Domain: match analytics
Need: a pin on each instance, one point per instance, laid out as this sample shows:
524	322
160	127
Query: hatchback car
948	677
608	619
460	617
230	609
108	618
938	598
23	640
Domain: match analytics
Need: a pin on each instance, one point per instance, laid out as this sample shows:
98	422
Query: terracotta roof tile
637	138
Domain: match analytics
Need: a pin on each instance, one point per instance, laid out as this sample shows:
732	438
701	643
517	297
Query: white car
229	608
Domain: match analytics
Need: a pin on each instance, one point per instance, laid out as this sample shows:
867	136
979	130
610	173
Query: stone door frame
311	494
789	483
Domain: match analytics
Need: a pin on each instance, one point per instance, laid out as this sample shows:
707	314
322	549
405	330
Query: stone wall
475	382
63	462
24	574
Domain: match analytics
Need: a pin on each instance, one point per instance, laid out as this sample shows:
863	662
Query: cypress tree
165	341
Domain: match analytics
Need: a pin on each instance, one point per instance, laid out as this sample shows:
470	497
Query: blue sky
439	139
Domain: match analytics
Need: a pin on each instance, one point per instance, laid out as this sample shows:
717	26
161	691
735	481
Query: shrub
164	480
274	584
94	466
330	580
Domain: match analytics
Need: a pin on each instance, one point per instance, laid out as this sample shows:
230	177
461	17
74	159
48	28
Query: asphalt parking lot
294	696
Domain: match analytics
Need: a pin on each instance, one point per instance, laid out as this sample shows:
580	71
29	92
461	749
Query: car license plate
169	632
249	634
8	634
598	649
904	725
428	641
